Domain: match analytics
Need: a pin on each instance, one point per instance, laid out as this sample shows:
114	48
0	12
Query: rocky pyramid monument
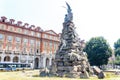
70	59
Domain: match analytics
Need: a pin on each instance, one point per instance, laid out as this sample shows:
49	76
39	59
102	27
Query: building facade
24	43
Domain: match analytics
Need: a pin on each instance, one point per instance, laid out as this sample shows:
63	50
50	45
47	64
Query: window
32	41
1	36
55	46
10	38
24	50
32	33
2	26
45	45
17	47
25	31
56	38
38	43
37	50
25	40
11	28
38	34
53	37
18	39
45	36
9	47
19	30
50	37
50	46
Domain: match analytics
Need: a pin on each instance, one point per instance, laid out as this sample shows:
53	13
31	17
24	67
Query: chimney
37	28
26	25
3	19
19	23
12	21
32	26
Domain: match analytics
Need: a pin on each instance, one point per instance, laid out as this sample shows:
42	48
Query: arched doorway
36	63
15	59
47	62
7	58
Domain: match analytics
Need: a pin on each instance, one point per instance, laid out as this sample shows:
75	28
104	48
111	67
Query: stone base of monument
73	75
72	72
48	73
84	75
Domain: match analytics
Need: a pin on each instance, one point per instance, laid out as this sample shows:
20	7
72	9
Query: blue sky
91	17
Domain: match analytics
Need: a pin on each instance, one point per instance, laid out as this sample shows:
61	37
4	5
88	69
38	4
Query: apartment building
24	43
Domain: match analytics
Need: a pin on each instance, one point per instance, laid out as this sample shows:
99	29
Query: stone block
98	72
101	75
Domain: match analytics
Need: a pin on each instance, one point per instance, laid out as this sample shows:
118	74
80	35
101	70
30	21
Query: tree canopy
117	47
98	51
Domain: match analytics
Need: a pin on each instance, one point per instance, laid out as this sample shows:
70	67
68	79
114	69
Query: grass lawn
27	75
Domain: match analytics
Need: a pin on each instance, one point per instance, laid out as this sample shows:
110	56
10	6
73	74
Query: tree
117	60
98	51
117	51
117	47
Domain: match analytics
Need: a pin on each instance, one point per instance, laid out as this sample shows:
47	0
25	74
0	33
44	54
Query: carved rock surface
70	60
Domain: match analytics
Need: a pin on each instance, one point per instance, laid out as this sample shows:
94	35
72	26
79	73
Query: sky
92	18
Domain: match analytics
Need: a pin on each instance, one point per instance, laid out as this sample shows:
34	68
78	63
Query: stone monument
70	59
